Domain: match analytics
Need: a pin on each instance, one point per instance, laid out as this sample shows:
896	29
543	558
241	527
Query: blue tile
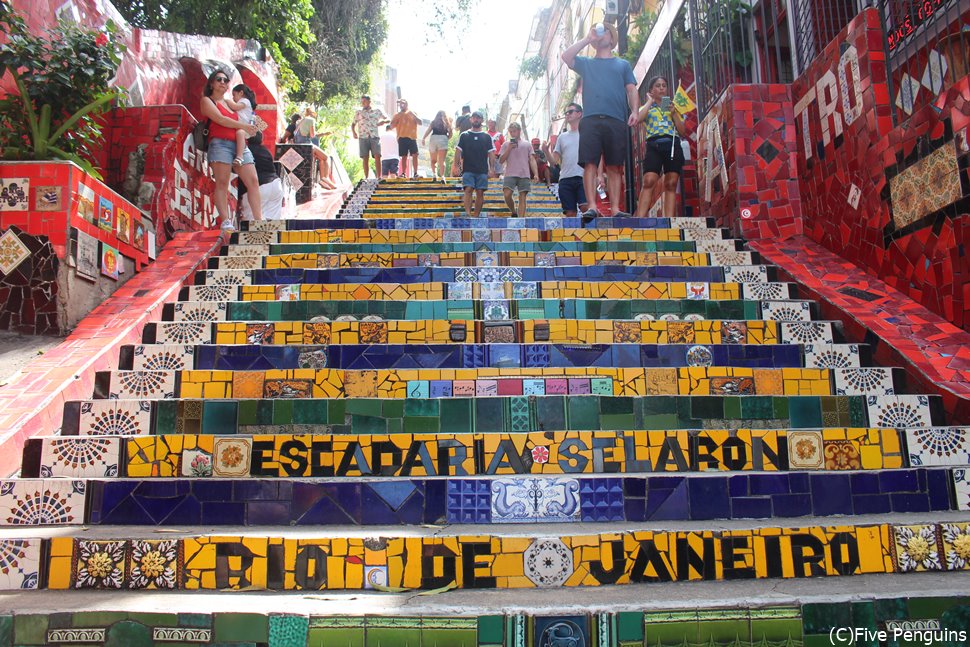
791	505
831	494
668	504
799	482
898	481
905	502
708	497
872	504
938	488
738	485
769	484
224	514
865	483
751	508
267	513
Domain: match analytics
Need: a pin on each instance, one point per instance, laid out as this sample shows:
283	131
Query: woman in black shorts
664	155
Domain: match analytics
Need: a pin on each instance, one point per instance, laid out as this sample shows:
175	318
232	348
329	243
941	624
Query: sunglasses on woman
221	79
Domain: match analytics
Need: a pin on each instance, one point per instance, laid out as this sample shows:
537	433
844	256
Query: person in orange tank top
222	149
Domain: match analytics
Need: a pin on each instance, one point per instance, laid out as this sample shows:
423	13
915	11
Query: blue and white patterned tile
486	259
548	562
806	332
709	246
211	293
142	385
511	236
732	257
702	233
115	418
183	332
267	225
961	487
228	277
524	500
42	502
199	311
510	274
863	381
257	237
20	563
525	290
465	275
491	291
258	251
934	446
832	356
899	411
765	291
786	311
163	357
745	273
496	310
460	291
240	262
80	456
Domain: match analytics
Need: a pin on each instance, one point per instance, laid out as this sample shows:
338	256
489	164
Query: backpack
200	136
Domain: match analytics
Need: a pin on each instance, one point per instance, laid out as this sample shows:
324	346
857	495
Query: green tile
421	425
219	417
491	629
6	631
777	630
195	620
671	634
129	633
397	636
282	412
756	408
392	408
419	407
247	412
490	415
780	407
288	630
448	638
820	618
706	408
891	609
310	412
804	411
30	629
582	413
339	637
364	407
858	414
629	625
732	408
239	627
166	413
369	425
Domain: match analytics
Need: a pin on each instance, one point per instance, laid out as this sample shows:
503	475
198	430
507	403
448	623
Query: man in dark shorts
611	105
406	123
475	160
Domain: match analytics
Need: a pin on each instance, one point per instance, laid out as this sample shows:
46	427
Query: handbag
200	136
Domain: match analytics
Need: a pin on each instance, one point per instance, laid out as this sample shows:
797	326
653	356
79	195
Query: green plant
62	87
533	67
643	22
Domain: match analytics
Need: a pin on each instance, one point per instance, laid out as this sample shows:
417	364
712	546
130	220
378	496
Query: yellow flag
682	102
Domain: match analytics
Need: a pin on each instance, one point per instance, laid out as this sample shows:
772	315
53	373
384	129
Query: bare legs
523	198
247	175
222	173
467	201
646	199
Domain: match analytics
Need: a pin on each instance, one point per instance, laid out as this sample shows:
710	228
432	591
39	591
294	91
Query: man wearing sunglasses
572	196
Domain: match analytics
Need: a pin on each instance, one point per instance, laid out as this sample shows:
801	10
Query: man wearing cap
610	105
406	123
366	129
475	160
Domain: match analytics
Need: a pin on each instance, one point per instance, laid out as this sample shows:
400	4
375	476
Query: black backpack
200	136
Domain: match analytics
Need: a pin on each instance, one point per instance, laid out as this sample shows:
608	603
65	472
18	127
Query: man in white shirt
390	159
572	196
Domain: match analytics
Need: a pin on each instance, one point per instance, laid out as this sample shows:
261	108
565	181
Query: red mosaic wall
746	153
865	181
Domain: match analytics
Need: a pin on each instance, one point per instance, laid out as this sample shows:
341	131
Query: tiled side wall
808	625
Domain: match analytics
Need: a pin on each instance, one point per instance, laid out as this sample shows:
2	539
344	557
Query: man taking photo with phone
610	105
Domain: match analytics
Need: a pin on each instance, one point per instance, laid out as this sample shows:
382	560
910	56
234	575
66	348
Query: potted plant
62	80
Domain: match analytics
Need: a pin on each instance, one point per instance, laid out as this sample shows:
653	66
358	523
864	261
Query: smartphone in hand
665	103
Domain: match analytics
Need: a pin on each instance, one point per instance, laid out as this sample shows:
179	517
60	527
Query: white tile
899	411
831	355
41	502
20	564
863	381
938	446
142	385
80	456
163	357
115	418
183	332
786	311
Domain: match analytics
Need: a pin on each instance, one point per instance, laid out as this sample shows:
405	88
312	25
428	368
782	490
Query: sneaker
590	214
228	225
622	214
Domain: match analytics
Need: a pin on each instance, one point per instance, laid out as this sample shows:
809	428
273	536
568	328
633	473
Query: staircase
406	400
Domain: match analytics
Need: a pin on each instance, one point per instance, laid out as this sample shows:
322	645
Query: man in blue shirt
610	105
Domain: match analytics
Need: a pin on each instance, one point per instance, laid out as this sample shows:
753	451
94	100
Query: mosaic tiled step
480	259
729	248
444	331
394	236
801	329
481	415
265	502
376	355
492	291
487	382
746	274
472	559
549	453
450	220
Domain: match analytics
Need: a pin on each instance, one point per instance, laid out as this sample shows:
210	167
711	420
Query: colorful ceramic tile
916	548
115	418
88	263
231	457
20	561
14	193
955	538
938	446
86	203
99	564
961	488
832	356
805	450
123	225
106	217
863	381
163	357
806	332
12	252
548	562
80	457
50	198
139	385
199	311
528	500
786	311
42	502
899	411
110	261
154	564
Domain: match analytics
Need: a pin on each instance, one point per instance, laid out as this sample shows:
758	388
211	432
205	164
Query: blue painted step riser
253	502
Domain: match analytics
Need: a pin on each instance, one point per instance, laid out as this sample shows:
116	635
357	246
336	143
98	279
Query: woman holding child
222	153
